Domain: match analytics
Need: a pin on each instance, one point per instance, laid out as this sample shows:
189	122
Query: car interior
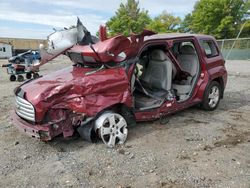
158	77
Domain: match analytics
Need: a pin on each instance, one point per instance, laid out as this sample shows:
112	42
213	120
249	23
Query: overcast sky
36	18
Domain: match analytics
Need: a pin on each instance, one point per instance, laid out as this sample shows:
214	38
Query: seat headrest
158	55
187	49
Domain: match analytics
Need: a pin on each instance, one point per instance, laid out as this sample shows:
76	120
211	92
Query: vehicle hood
71	88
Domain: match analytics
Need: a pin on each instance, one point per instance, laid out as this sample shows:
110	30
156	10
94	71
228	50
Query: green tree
128	19
221	18
164	23
246	21
246	30
186	23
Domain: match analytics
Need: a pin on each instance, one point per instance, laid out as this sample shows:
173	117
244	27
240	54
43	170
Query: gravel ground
195	149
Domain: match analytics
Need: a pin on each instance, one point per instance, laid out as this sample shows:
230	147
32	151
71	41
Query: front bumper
43	132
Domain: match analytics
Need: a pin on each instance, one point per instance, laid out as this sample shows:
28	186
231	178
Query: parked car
20	58
120	81
20	64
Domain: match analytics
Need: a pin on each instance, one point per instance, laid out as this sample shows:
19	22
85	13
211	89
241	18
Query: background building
5	50
21	45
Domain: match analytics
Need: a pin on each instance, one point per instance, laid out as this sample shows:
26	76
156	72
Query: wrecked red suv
120	81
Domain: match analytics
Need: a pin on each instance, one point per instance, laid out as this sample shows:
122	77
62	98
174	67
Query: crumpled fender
72	89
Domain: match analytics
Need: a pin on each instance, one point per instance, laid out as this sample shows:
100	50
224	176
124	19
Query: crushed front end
64	100
55	122
24	119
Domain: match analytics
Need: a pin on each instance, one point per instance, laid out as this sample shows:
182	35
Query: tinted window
210	48
3	49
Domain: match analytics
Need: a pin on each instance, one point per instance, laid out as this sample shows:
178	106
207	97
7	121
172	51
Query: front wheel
111	128
20	78
212	96
12	78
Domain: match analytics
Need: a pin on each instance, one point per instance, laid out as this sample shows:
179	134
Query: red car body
67	99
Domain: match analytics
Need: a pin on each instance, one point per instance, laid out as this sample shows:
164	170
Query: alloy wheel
112	129
213	96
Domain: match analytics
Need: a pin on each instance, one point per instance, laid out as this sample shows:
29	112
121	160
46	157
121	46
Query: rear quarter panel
215	66
211	68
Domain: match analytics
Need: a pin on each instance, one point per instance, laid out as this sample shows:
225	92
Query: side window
177	47
210	48
1	49
187	44
4	49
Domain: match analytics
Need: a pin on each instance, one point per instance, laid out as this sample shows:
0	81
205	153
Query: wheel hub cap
112	129
213	96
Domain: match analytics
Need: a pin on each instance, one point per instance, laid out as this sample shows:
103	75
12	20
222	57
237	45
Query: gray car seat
189	62
156	79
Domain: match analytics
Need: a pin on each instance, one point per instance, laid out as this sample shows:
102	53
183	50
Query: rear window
210	48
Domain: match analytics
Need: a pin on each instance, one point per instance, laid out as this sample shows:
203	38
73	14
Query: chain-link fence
240	50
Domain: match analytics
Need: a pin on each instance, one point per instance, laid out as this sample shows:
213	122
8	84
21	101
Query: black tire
35	75
12	78
212	96
20	78
28	75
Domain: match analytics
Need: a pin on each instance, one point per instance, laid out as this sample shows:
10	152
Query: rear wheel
28	75
111	128
35	75
212	96
20	78
12	78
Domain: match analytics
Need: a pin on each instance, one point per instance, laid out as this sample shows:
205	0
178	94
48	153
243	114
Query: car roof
176	35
